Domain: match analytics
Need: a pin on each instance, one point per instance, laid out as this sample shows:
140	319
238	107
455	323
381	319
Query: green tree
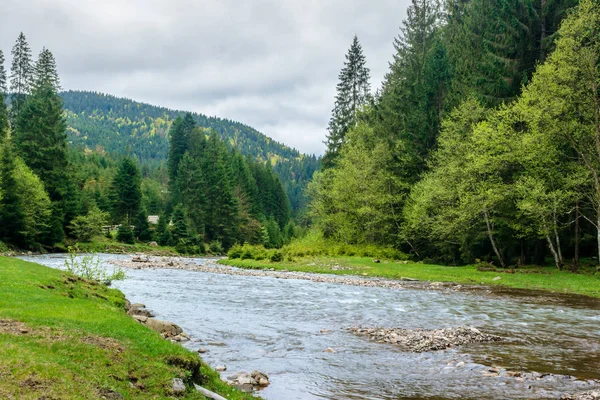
45	72
125	233
142	229
4	123
125	192
12	214
41	142
353	92
563	99
86	227
181	232
21	75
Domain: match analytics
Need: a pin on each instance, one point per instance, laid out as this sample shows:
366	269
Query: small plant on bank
90	267
216	247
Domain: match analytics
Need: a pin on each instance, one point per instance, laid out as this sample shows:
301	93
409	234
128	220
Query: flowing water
274	325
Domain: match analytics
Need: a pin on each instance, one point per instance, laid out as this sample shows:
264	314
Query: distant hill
101	122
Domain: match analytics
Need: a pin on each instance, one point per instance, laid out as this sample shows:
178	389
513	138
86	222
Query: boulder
177	386
153	244
165	328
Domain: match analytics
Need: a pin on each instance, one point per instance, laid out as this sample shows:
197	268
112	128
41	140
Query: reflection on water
274	325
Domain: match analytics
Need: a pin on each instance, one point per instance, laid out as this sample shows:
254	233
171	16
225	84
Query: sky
271	64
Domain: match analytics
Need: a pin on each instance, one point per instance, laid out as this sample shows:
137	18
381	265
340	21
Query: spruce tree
142	227
4	125
21	75
125	192
179	137
45	71
41	141
181	232
353	92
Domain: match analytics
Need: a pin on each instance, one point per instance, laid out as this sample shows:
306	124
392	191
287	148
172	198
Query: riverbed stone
587	395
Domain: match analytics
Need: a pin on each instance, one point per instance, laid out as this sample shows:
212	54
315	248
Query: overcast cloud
271	64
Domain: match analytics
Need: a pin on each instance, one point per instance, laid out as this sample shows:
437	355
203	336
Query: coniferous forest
482	142
55	188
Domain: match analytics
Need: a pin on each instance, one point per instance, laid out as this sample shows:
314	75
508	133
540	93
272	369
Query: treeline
104	123
226	197
483	141
51	193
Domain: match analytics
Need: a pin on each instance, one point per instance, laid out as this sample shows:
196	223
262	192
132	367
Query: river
274	325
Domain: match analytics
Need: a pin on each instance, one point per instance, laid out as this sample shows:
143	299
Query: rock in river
421	340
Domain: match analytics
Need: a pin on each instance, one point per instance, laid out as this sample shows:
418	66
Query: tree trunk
491	236
577	239
557	261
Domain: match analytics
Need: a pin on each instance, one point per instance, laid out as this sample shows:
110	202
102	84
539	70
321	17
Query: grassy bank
541	278
64	337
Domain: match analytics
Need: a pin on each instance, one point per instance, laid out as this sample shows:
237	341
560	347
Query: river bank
544	279
65	337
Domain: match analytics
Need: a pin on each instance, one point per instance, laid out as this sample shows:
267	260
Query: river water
274	325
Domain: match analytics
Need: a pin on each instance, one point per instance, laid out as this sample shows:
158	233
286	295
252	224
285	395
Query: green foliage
105	123
353	93
85	227
125	233
125	192
216	247
142	229
90	267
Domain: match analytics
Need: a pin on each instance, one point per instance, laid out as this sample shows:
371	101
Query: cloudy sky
272	64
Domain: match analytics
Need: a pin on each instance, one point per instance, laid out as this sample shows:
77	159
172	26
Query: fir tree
142	227
45	71
21	75
41	141
125	192
4	125
353	92
181	232
125	233
178	145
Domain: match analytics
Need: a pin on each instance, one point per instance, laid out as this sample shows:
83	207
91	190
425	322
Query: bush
90	267
235	251
276	256
216	247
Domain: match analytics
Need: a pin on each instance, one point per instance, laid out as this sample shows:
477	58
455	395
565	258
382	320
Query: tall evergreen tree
21	75
353	92
45	71
4	125
179	137
41	141
125	192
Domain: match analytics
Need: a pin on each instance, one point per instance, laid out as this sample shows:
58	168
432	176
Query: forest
482	143
208	195
107	124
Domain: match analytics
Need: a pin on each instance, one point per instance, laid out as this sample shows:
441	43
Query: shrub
235	251
216	247
90	267
276	256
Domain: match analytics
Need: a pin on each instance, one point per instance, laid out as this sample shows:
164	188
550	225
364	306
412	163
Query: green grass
540	278
104	245
65	337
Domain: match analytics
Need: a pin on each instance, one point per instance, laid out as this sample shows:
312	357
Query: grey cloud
272	64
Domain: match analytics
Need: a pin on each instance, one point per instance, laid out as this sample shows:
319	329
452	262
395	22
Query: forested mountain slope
103	122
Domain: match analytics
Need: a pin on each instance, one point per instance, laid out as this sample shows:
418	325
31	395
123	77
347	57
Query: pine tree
181	232
45	71
21	75
179	137
353	92
125	233
41	141
142	227
125	192
4	124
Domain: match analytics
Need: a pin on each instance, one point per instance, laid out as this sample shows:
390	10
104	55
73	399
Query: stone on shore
589	395
177	386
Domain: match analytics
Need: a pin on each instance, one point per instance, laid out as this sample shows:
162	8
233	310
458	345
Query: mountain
104	123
